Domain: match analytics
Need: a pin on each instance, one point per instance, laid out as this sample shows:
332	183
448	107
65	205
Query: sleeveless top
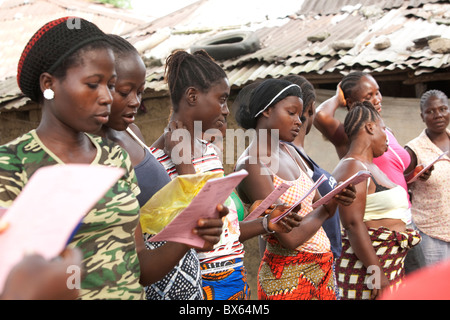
319	242
393	163
229	247
332	226
385	203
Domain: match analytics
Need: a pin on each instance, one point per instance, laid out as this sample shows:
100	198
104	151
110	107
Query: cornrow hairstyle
121	46
432	94
350	82
53	48
308	92
359	114
266	95
184	70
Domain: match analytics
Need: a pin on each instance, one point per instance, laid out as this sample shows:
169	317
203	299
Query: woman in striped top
199	90
165	270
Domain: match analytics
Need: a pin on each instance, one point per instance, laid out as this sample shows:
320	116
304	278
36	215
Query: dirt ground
251	262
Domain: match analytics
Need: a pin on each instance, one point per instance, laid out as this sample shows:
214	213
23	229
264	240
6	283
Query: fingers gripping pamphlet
428	166
203	205
313	188
268	201
355	179
46	213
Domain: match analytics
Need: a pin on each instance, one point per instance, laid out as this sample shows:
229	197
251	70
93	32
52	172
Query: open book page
214	192
312	189
428	166
45	214
268	201
354	180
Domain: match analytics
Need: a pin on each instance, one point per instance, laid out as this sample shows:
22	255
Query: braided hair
432	94
351	82
359	114
266	95
54	48
184	70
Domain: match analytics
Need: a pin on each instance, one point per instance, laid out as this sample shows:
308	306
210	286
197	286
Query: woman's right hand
384	285
211	229
169	144
287	223
35	278
340	96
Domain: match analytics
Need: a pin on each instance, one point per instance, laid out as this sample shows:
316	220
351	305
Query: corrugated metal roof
326	7
285	48
19	20
284	31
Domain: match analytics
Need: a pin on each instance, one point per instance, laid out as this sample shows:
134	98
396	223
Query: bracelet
266	224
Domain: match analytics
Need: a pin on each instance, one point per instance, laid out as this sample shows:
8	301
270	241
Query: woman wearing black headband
290	260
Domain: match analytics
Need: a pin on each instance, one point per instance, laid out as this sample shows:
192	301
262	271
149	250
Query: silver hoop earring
49	94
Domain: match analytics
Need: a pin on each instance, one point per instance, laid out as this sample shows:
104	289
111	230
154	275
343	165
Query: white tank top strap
136	138
293	158
364	166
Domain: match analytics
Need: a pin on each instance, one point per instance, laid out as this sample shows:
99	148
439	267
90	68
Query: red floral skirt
295	275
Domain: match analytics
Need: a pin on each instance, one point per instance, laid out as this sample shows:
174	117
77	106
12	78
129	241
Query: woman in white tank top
375	238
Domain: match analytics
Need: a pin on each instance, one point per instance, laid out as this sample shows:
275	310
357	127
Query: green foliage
126	4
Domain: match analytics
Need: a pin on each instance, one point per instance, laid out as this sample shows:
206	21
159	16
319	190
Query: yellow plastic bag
171	200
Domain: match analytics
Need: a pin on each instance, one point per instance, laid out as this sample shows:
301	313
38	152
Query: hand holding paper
214	192
49	208
354	180
267	202
428	166
313	188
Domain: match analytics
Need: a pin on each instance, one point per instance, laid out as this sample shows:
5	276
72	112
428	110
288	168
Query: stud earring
49	94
